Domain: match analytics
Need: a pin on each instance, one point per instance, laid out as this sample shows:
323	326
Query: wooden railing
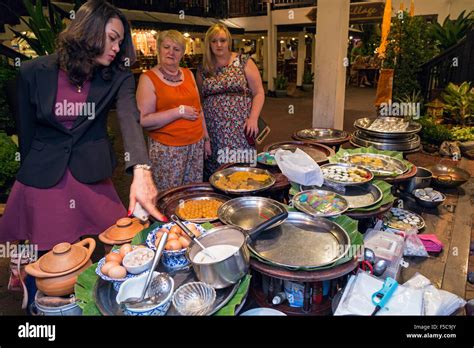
456	65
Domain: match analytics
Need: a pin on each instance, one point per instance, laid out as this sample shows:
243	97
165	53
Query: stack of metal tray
406	141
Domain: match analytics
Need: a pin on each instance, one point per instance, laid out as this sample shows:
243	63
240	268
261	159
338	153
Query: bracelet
142	166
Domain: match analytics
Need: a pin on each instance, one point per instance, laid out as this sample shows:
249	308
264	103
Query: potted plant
452	31
459	103
9	165
308	78
432	134
281	84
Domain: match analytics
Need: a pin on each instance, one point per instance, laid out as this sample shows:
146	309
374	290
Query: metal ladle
160	288
131	301
192	236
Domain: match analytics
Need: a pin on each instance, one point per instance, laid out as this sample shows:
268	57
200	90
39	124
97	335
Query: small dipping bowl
138	260
133	288
195	298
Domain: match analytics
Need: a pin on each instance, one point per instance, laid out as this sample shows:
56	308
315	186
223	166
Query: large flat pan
302	241
248	212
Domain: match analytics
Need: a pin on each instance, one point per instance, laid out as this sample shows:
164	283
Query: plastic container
294	293
387	246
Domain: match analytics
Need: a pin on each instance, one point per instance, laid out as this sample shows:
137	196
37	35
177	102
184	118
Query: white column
332	26
301	58
265	58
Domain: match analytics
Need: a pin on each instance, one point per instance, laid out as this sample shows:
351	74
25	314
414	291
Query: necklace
79	87
169	77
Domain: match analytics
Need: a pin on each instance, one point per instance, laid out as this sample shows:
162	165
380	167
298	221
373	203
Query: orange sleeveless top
180	132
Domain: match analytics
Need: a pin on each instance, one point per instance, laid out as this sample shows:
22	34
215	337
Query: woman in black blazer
63	188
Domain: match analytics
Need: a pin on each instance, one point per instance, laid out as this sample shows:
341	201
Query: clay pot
61	286
123	231
56	272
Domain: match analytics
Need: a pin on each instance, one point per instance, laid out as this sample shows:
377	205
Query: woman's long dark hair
84	40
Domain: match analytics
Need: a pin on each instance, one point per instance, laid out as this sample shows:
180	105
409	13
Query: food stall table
312	280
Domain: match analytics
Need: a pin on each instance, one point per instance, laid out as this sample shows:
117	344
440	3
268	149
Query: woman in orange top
170	110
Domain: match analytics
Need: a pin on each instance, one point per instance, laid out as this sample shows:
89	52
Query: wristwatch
142	166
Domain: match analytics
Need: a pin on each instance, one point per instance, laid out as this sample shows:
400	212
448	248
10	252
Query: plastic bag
436	301
413	244
299	167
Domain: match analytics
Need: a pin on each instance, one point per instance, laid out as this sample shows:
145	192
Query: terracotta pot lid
62	258
124	229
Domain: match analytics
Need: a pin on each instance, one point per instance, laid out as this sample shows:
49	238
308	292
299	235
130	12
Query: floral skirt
174	166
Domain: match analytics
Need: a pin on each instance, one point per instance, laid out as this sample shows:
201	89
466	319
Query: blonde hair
208	59
174	36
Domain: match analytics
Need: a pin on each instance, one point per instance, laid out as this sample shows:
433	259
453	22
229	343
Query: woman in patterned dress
171	111
232	96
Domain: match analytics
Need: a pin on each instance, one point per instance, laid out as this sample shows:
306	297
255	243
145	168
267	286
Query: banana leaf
140	237
361	150
84	291
229	308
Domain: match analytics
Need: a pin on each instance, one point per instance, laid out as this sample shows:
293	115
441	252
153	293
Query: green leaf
229	308
140	237
84	291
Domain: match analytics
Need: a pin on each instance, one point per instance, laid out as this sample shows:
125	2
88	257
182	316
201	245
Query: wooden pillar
332	26
301	58
265	42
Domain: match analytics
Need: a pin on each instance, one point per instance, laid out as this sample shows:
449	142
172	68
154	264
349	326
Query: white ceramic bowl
126	262
133	288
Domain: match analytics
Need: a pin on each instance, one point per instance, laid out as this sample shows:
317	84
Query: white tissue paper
299	167
436	301
357	298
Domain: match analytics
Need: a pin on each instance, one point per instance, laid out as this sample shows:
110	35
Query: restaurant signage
358	11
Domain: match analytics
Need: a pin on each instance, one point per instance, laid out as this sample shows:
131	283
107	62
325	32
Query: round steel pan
200	197
326	136
249	212
364	124
357	197
258	186
302	241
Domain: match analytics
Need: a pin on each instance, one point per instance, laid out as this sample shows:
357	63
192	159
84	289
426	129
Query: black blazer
47	148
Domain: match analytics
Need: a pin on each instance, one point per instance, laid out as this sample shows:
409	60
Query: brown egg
173	236
194	230
175	229
173	245
125	249
117	272
114	257
107	266
184	242
159	234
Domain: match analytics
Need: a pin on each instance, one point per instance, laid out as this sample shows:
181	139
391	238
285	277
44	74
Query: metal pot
223	273
422	179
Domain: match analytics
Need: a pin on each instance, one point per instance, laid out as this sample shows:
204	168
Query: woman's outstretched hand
143	190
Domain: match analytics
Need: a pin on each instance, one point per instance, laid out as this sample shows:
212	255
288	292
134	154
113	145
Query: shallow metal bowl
258	186
249	212
347	165
306	208
429	204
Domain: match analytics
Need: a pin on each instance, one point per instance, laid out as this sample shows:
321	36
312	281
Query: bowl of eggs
111	267
174	255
